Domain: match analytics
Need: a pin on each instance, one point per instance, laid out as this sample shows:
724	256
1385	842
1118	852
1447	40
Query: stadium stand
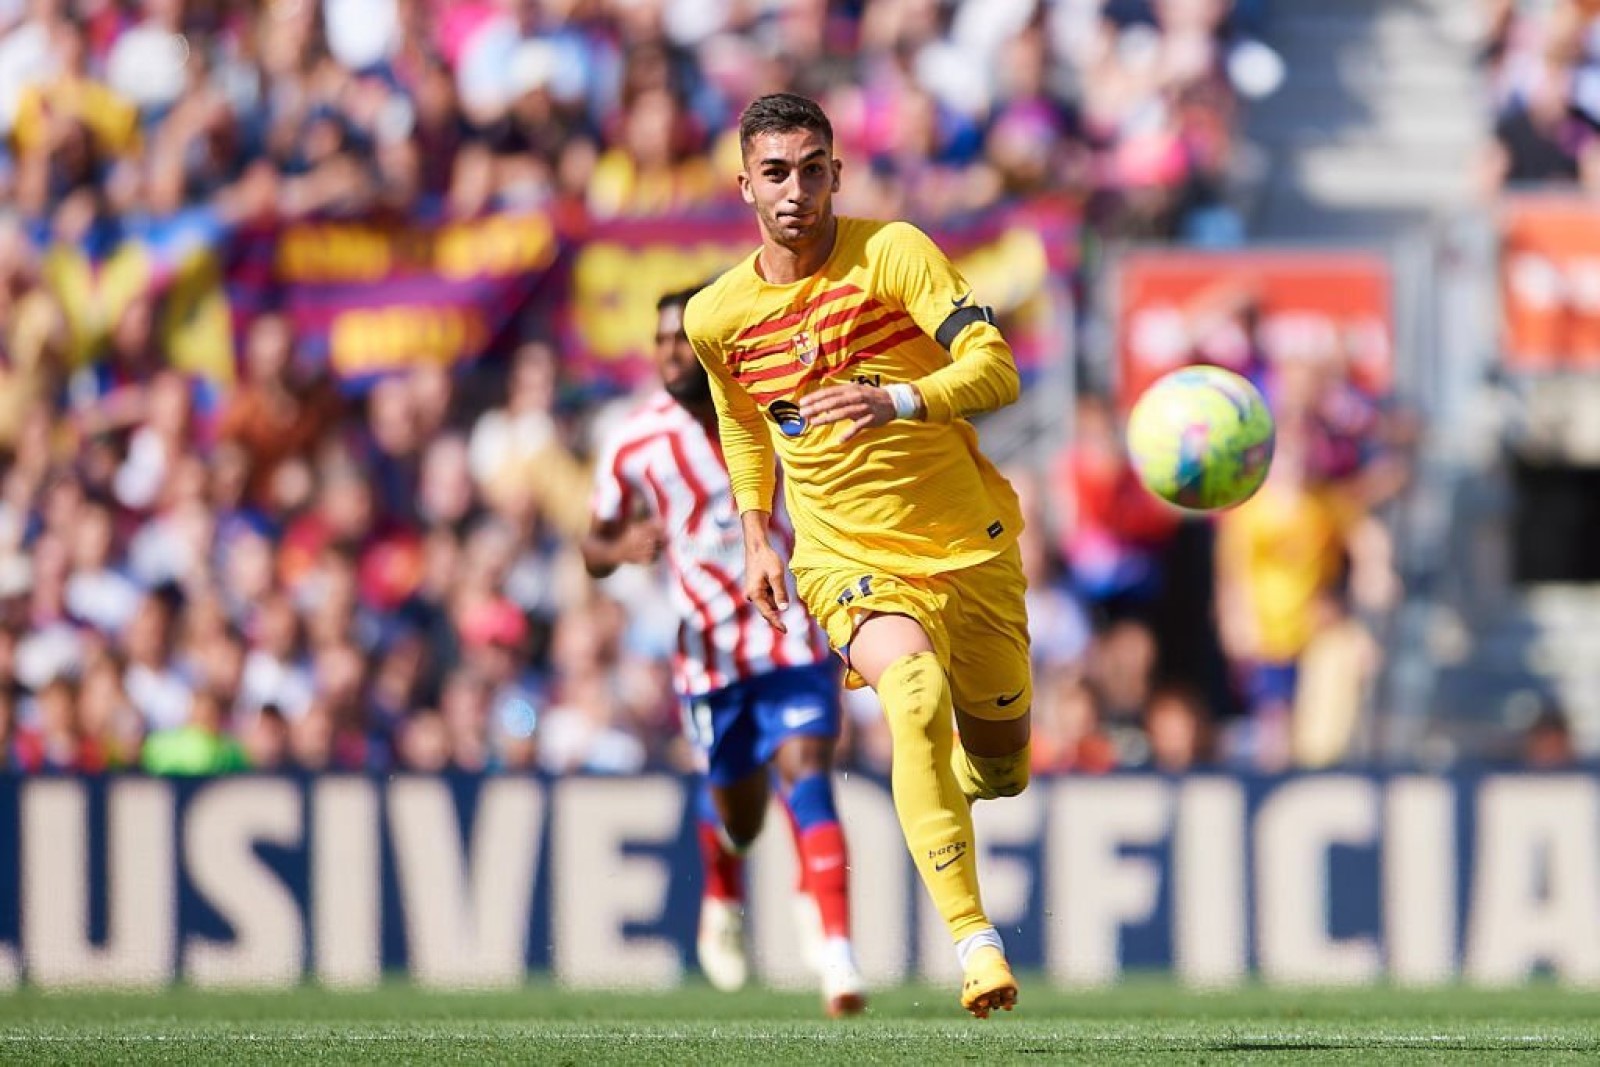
250	518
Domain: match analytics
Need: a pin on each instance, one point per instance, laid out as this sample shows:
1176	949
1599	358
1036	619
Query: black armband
959	320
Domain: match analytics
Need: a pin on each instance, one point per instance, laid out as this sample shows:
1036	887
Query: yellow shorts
976	618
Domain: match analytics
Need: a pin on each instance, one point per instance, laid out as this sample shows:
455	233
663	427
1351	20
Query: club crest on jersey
805	349
786	414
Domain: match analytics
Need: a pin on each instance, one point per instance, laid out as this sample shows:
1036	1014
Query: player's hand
860	405
766	584
642	542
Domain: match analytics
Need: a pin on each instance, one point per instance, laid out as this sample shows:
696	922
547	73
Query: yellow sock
934	815
988	777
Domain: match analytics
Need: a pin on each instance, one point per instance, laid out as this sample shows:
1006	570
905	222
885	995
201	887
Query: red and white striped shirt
664	461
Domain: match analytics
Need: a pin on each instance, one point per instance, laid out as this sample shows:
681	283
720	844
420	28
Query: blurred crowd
1542	63
620	107
1251	639
266	569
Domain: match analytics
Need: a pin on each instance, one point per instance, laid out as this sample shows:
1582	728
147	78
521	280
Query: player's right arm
610	544
747	449
752	465
616	535
766	579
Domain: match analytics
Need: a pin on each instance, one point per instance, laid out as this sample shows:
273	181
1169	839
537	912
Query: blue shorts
1269	684
738	729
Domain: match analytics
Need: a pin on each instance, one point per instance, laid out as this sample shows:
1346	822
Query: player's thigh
742	805
907	617
796	712
991	674
724	733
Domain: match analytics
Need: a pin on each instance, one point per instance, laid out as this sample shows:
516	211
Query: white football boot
720	945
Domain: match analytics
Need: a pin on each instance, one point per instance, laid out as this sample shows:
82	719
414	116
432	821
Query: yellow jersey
1285	549
912	497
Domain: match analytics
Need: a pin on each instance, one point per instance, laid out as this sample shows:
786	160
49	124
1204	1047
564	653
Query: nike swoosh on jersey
1007	701
959	302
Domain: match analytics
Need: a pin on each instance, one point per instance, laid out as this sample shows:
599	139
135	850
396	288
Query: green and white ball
1201	437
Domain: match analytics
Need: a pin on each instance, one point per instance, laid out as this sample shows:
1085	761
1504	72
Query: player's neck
784	264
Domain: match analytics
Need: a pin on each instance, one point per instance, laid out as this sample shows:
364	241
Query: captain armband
959	320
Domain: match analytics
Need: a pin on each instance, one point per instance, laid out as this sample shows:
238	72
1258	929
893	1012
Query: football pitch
1140	1022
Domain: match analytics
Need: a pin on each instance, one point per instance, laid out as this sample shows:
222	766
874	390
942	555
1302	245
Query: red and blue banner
1020	260
370	297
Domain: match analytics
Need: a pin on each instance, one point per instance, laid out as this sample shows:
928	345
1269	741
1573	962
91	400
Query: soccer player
853	353
755	700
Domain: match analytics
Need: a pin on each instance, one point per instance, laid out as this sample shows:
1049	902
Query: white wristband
905	400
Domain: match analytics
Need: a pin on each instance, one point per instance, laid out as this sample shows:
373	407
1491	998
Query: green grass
1141	1022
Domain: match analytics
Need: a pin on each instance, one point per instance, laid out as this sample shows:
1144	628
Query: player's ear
838	168
745	192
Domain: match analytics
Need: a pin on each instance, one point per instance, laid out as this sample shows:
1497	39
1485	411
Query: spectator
352	584
107	715
1112	530
156	689
1177	727
1069	733
266	741
1281	560
277	421
510	444
59	742
200	746
1547	743
98	593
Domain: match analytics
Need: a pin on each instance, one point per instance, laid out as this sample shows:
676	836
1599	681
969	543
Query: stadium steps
1547	642
1375	137
1508	640
1379	122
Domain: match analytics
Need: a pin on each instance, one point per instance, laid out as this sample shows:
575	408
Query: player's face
682	376
790	178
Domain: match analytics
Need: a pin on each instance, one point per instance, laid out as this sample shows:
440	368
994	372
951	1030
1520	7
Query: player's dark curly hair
780	113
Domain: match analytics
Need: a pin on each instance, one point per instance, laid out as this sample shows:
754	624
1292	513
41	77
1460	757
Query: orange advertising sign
1550	281
1239	309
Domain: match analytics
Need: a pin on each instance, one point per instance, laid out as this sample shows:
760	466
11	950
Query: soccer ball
1201	438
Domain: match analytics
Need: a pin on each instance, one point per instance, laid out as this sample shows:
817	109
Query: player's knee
740	829
803	757
1014	781
911	690
1004	776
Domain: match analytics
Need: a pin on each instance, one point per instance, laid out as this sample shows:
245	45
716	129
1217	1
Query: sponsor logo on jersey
786	414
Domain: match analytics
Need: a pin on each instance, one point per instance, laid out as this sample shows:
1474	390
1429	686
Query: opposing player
755	700
854	353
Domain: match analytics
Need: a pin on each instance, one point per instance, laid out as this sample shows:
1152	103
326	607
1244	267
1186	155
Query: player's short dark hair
780	113
678	297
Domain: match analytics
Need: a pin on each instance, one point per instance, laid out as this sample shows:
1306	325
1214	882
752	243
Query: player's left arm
982	375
